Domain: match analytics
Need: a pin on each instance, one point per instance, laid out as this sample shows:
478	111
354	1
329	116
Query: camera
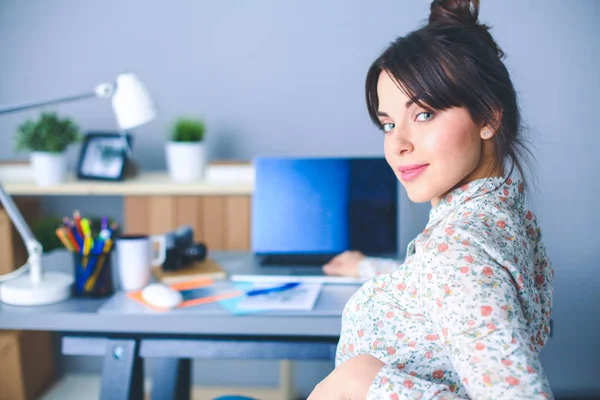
181	249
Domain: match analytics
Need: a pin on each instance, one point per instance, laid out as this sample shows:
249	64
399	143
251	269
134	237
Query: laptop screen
324	206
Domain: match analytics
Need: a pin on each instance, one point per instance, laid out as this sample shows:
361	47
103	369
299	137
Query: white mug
136	257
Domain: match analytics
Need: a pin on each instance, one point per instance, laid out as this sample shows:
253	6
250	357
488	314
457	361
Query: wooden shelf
219	213
145	184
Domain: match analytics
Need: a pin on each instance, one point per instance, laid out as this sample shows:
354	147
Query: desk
176	338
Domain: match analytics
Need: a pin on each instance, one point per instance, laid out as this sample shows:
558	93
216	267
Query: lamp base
54	287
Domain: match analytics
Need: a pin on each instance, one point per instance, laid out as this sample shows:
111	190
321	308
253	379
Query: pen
107	245
275	289
77	223
68	233
72	233
113	228
91	282
62	235
87	245
98	245
85	227
85	272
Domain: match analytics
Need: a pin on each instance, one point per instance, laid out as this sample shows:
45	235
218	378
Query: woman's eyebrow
384	114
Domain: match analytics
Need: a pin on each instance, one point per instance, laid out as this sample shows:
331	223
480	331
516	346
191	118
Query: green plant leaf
188	130
44	231
49	133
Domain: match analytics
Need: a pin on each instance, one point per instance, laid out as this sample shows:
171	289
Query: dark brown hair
453	61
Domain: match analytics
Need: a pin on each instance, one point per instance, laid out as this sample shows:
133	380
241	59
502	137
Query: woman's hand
344	264
330	388
349	381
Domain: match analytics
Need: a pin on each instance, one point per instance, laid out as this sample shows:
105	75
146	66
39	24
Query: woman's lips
412	172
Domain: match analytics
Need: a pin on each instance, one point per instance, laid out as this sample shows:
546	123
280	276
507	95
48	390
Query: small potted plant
47	138
186	158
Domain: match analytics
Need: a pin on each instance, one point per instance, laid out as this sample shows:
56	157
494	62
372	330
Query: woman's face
431	152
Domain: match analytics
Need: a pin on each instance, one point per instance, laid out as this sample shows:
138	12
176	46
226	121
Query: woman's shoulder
482	218
492	230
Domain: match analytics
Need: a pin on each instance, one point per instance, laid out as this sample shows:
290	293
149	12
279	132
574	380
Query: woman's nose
401	141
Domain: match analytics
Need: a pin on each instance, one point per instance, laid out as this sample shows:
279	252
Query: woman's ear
489	130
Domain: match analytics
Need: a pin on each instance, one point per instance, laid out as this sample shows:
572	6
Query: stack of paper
302	297
233	296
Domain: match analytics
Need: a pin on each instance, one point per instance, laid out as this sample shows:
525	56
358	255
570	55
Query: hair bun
449	12
462	12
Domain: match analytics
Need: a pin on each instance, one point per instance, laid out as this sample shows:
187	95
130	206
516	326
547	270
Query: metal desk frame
123	368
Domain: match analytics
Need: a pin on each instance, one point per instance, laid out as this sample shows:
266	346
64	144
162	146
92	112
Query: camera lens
196	252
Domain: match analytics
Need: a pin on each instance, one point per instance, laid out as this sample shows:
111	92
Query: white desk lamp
132	106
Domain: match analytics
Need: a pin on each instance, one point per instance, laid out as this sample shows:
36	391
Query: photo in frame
103	156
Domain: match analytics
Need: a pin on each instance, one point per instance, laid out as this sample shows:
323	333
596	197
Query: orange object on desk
195	284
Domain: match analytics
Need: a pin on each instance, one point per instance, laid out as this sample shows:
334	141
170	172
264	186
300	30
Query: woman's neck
481	172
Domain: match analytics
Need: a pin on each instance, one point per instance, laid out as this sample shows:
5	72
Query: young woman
467	313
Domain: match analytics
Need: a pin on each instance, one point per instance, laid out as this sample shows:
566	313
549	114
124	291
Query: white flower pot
185	161
49	168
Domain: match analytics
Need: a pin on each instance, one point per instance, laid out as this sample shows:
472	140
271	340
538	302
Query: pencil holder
93	275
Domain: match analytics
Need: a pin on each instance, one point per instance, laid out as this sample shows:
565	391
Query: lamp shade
131	102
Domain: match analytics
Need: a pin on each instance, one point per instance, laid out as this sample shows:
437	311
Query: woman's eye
424	116
388	127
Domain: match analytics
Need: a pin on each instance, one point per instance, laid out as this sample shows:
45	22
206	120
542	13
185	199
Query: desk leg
171	378
122	372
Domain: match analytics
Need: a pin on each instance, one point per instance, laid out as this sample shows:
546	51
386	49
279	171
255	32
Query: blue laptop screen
324	206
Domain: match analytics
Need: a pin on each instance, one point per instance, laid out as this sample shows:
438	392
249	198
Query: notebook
207	269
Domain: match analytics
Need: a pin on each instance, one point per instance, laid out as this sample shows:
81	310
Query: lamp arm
45	103
104	90
34	247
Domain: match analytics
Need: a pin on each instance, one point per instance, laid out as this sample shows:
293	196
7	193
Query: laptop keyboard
310	260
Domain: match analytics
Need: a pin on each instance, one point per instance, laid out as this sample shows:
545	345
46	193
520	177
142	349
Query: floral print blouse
467	313
370	267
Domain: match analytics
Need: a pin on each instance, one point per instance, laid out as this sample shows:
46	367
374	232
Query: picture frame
102	156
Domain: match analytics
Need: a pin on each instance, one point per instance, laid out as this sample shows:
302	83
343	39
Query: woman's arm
349	381
357	265
370	267
366	377
479	309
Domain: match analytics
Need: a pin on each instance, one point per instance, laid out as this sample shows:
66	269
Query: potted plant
186	158
47	138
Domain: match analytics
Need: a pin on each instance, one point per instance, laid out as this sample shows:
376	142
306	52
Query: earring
487	134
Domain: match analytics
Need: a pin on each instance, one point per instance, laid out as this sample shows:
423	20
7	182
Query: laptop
305	211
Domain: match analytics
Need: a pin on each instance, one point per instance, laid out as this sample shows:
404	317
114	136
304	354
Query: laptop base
309	260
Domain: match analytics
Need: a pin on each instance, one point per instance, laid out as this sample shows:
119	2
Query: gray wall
279	77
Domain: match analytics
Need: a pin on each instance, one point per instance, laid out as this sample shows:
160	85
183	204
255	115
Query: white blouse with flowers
467	313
